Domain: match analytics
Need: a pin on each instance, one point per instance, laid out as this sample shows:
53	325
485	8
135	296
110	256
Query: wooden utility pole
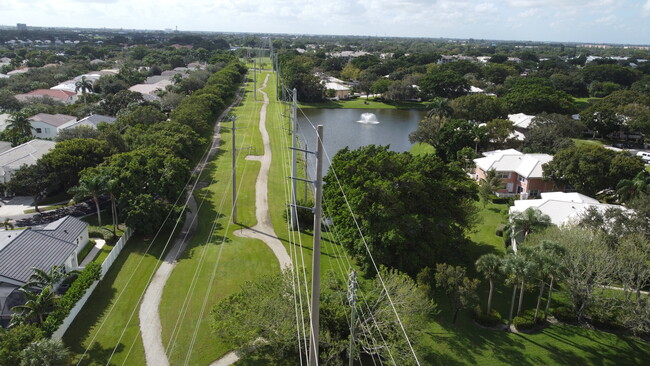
315	269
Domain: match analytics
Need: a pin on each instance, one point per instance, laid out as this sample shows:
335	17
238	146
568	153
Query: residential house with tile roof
56	244
90	121
25	154
520	173
63	96
46	126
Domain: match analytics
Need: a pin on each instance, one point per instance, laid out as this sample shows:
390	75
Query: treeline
142	161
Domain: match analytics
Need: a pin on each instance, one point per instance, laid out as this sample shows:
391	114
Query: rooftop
563	208
526	165
62	95
25	154
91	121
55	120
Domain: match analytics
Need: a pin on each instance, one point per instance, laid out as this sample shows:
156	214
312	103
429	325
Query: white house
90	121
56	244
63	96
521	123
25	154
46	126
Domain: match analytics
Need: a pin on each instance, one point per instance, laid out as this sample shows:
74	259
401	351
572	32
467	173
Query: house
25	154
521	123
63	96
149	91
90	121
56	244
521	173
564	208
46	126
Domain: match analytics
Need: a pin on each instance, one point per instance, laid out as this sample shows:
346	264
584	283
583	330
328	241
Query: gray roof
66	228
55	120
92	121
25	154
157	78
32	249
4	146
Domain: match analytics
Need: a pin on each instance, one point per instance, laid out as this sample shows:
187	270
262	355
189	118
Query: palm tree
19	123
516	267
489	184
84	85
524	223
628	189
91	185
489	264
439	107
38	304
553	253
42	279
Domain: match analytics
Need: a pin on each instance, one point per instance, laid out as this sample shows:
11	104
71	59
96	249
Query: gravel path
150	326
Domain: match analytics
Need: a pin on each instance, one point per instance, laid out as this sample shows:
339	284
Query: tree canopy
410	209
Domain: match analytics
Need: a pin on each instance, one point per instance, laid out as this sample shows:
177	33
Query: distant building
21	26
63	96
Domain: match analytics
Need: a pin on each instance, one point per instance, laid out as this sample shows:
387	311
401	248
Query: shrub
86	278
523	323
564	314
499	230
487	320
84	252
606	323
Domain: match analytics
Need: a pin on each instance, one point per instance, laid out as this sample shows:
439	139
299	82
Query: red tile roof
55	94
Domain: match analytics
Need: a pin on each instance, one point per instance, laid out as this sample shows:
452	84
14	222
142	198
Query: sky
594	21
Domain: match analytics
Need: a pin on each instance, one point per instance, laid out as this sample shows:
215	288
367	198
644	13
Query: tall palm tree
439	107
524	223
489	184
91	185
84	85
19	123
489	264
516	267
553	253
628	189
38	304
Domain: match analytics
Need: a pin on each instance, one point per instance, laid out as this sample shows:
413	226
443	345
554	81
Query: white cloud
646	8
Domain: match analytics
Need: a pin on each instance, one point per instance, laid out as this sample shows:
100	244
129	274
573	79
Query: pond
355	128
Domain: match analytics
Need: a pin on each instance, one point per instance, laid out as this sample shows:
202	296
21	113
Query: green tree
449	136
439	107
381	86
499	132
488	185
91	185
549	133
536	98
479	108
45	352
488	265
32	180
79	132
350	72
523	223
628	189
20	124
37	305
591	168
444	84
14	340
516	268
84	85
69	158
55	275
410	208
460	289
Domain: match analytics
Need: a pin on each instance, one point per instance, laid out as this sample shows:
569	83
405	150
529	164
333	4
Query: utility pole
315	269
294	144
234	175
255	79
352	299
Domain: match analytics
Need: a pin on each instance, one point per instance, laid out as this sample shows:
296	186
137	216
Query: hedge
87	277
527	320
564	314
487	320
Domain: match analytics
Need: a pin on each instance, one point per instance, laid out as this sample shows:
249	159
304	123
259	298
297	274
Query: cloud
646	8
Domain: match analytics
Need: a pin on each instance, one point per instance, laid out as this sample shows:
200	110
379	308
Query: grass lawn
105	317
362	103
421	148
583	103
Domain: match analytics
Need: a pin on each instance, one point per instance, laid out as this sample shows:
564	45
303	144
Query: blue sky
601	21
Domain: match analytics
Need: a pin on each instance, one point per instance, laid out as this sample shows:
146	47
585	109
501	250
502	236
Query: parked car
645	156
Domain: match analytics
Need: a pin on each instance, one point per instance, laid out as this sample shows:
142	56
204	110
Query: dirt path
150	326
263	230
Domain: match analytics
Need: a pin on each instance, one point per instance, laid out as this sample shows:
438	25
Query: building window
519	189
522	179
534	193
503	175
39	130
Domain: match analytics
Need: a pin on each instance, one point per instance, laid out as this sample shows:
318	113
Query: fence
58	334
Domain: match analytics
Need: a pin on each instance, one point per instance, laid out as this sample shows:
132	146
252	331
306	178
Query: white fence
58	334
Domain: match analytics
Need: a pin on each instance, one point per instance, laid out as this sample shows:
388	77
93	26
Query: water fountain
368	119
